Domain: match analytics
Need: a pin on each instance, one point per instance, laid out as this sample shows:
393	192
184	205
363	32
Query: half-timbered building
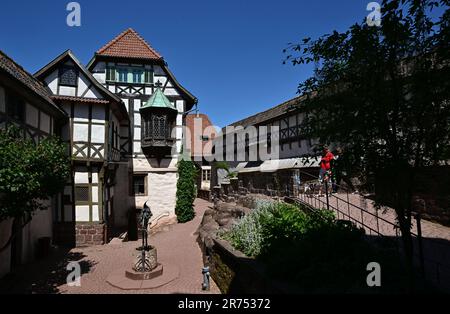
281	135
151	142
93	134
25	103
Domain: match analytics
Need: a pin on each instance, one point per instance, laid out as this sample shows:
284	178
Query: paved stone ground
176	244
436	237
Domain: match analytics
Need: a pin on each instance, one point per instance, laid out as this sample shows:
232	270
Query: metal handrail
422	258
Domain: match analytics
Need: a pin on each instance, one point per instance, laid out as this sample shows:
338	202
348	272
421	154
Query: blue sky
227	53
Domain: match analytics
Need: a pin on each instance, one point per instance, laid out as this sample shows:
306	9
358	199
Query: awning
289	163
252	166
279	164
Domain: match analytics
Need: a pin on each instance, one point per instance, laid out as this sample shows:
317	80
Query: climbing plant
186	191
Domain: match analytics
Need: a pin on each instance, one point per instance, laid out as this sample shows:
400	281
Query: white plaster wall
137	147
162	189
137	120
5	256
67	91
100	72
82	213
32	116
80	132
98	134
45	123
144	165
52	82
83	85
92	92
81	177
137	104
40	226
2	100
171	92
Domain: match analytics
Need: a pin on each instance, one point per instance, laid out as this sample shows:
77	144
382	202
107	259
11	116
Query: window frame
206	172
138	73
148	76
111	75
121	71
132	185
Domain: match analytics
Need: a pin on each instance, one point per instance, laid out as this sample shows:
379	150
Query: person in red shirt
325	169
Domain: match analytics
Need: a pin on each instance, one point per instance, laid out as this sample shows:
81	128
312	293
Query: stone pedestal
151	260
146	273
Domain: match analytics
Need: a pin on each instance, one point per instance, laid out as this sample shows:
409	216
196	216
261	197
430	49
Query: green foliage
247	234
29	172
224	166
383	93
312	249
186	191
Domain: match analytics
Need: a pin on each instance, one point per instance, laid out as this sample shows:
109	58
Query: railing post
419	239
326	193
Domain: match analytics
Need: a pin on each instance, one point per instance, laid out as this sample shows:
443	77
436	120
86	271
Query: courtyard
176	244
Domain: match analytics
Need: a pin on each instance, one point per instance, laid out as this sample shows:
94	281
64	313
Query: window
68	76
206	175
204	138
82	194
110	74
159	126
148	76
137	76
15	107
123	75
139	185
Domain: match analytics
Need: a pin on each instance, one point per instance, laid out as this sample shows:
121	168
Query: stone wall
232	270
89	234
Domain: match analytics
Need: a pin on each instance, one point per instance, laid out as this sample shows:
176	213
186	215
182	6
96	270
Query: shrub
185	191
247	234
29	172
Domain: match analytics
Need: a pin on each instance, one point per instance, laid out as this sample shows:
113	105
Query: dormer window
68	76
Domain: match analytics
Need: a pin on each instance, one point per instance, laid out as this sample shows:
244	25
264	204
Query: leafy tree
186	191
224	166
382	93
29	173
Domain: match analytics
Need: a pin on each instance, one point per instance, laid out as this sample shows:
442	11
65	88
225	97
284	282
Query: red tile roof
18	73
129	44
80	99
